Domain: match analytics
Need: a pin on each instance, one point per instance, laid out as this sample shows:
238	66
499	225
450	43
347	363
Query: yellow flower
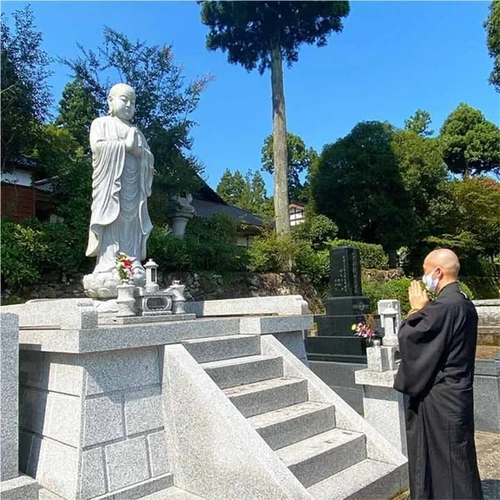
353	327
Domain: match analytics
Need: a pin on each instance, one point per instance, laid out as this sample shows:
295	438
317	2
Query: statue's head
121	101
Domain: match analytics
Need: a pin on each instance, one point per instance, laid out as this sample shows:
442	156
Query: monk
437	345
121	183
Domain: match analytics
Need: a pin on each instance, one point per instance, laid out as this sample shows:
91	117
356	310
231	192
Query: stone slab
158	453
143	410
19	488
375	378
47	459
157	485
92	478
113	337
67	314
126	463
276	324
103	420
144	320
121	370
9	396
286	304
294	342
381	358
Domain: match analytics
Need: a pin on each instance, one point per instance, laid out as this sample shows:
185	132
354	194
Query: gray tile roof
204	208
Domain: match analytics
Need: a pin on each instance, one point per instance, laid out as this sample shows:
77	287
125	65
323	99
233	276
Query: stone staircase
331	462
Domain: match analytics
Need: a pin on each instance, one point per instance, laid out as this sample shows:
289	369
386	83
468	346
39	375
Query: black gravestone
345	306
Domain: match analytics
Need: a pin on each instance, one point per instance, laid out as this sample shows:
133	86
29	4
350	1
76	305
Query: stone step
218	348
323	455
283	427
239	371
367	480
173	494
267	395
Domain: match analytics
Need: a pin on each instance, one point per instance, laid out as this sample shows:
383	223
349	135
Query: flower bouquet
364	328
124	267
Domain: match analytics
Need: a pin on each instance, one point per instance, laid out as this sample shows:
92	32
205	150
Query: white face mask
430	284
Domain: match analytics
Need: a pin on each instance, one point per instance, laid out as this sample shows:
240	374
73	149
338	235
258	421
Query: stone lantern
151	277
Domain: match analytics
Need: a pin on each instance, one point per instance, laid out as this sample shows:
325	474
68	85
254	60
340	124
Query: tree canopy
358	184
470	142
492	26
247	192
25	92
420	123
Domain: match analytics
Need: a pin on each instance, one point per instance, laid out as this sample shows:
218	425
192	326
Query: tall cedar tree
261	35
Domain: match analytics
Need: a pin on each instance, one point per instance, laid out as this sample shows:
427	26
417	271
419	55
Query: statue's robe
437	347
121	184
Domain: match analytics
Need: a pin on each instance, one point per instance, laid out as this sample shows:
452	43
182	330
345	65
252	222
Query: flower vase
125	300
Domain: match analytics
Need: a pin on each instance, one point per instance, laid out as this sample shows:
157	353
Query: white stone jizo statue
121	184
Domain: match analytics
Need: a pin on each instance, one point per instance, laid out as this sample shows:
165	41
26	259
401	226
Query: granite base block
19	488
9	396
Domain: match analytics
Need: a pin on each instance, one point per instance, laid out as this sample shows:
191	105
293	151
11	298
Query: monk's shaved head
445	259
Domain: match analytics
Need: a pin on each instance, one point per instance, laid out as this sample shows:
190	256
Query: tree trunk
281	211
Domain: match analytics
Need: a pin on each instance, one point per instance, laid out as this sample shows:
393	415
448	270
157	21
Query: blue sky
391	59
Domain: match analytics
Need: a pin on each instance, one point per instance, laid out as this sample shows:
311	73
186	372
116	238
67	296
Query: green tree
470	142
165	102
248	193
358	184
492	26
263	34
77	108
300	159
420	123
426	182
231	187
478	205
25	92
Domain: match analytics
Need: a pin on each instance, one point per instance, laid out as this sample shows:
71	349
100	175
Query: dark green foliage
317	230
248	193
359	185
377	290
247	30
492	26
32	249
370	256
25	93
77	108
470	142
209	245
300	160
426	183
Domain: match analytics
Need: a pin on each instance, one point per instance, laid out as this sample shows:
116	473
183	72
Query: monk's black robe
437	347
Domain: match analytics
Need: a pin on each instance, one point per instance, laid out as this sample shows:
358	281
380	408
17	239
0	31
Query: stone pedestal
179	223
345	306
12	485
383	407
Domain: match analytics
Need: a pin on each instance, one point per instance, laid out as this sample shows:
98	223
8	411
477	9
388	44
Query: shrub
274	253
209	245
316	230
32	248
371	256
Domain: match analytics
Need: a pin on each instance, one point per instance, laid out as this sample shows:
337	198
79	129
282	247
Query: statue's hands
131	139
